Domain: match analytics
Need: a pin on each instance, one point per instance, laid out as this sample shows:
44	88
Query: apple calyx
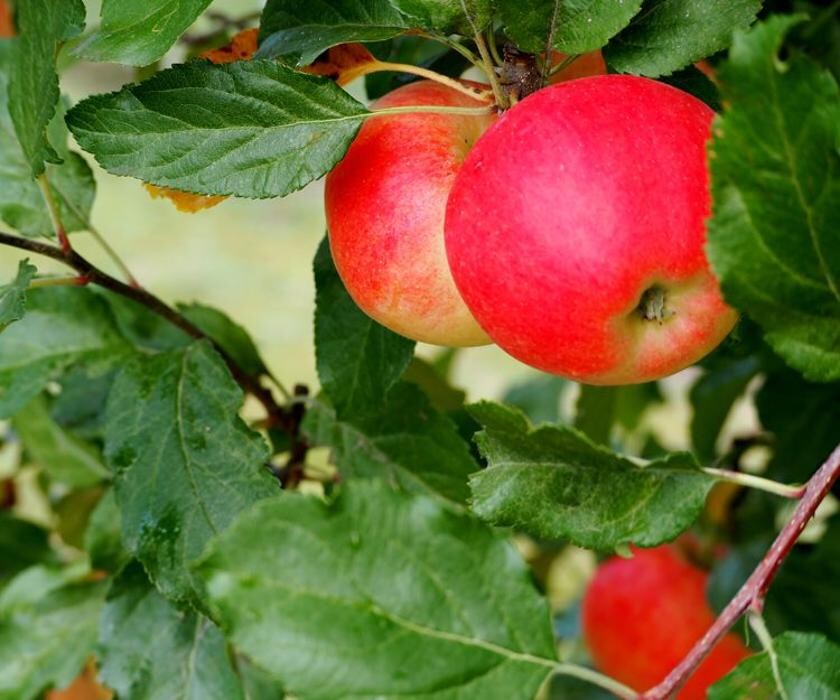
652	305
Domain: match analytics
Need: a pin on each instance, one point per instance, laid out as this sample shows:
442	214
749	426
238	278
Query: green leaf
425	375
712	397
22	544
773	239
693	81
230	336
539	398
21	202
803	418
62	455
103	537
670	34
447	16
381	588
184	462
300	31
63	326
13	295
48	627
73	511
139	33
250	129
809	666
405	441
153	650
602	409
552	482
575	26
358	360
33	89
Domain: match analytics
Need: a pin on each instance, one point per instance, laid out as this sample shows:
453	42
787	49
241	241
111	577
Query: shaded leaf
539	398
300	31
13	295
405	441
712	397
153	650
552	482
103	537
250	129
809	666
576	26
62	455
184	462
48	627
21	202
358	360
773	238
443	396
398	613
62	327
139	33
227	334
670	34
43	25
22	544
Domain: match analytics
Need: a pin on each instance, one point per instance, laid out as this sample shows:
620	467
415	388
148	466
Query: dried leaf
187	202
7	27
241	48
343	63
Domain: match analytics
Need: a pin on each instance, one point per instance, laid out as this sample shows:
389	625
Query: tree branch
751	595
277	415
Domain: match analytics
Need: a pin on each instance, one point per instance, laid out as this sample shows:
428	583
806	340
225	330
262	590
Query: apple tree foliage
192	552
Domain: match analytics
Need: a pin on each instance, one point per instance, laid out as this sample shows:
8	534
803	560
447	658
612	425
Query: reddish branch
277	415
751	595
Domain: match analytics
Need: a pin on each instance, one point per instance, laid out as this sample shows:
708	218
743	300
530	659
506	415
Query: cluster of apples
569	229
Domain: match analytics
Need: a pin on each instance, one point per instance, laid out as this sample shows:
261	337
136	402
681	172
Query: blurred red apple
641	616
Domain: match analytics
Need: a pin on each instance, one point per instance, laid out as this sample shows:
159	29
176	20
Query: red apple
641	616
385	205
575	231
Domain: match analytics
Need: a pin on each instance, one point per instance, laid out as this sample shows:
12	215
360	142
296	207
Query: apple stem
382	66
433	109
751	594
757	482
652	305
490	70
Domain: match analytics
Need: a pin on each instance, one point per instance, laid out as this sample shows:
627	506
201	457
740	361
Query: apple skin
641	616
578	200
385	206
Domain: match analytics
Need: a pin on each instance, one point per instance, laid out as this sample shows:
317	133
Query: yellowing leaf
7	27
184	201
342	63
241	48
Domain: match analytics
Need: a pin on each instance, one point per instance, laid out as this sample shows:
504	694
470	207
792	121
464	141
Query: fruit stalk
751	595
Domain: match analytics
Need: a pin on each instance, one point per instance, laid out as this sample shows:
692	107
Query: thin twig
753	591
52	208
277	415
